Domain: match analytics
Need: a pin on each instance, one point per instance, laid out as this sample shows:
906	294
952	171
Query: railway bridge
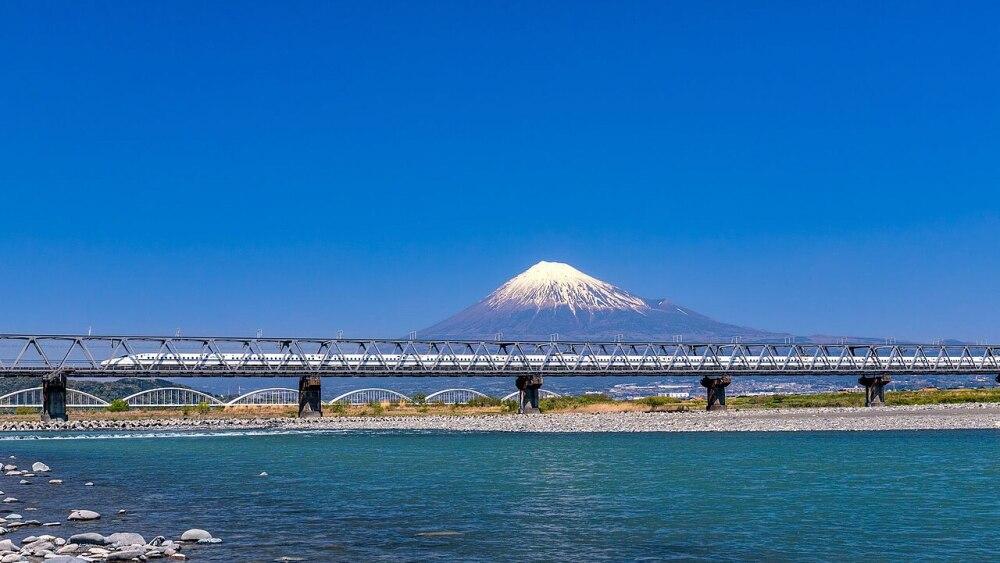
54	358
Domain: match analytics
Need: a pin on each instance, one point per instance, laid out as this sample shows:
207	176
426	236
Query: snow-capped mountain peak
553	298
550	285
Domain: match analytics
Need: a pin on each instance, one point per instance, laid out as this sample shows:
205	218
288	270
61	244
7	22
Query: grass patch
836	399
484	402
573	402
943	396
857	398
661	401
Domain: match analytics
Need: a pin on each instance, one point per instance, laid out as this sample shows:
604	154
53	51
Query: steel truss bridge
151	356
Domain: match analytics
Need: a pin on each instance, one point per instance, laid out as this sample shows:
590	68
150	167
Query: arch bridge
371	395
455	396
33	397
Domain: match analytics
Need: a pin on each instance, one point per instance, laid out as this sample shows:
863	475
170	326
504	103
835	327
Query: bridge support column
874	389
310	403
716	387
528	386
54	396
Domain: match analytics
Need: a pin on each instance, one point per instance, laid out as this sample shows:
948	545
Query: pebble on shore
83	515
89	546
918	417
195	534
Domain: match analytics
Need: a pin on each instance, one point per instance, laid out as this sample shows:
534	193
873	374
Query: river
339	496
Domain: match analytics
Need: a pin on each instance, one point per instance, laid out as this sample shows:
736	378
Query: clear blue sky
373	167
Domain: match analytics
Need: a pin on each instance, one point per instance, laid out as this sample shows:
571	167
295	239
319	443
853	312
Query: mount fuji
555	298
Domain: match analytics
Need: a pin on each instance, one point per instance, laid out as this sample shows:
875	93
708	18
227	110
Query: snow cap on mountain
555	298
549	285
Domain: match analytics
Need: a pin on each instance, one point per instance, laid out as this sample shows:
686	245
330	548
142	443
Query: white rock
195	534
125	538
39	467
83	515
210	540
133	552
89	538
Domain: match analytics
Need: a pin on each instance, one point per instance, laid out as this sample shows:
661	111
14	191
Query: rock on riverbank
85	546
928	417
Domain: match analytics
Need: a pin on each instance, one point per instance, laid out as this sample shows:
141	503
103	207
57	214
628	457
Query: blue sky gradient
306	167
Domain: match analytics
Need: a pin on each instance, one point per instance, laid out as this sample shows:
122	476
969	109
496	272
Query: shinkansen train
550	361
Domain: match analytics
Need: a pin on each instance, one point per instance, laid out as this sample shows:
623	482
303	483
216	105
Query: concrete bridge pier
54	396
528	386
716	386
874	389
310	403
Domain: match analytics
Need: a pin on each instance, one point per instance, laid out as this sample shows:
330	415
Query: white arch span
32	397
454	396
269	396
373	394
171	397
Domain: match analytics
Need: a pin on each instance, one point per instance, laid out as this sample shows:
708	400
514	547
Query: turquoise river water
361	496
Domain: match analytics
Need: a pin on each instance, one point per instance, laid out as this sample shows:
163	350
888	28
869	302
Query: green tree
118	405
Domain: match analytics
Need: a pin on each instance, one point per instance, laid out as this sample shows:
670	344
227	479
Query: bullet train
553	361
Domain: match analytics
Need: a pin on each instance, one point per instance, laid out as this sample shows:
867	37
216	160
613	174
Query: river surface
361	496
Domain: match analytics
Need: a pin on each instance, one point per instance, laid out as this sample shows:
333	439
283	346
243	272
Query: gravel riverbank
925	417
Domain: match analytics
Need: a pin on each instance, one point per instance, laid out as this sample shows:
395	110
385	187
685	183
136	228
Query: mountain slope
554	298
